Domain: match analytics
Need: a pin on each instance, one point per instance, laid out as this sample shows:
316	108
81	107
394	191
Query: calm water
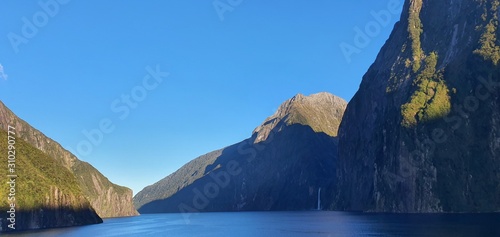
287	224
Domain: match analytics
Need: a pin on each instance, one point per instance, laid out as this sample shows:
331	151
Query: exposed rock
109	200
45	194
421	134
322	112
281	167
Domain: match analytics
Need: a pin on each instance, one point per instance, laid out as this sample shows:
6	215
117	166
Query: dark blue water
287	224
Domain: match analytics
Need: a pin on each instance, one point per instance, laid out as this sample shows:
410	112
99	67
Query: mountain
281	167
105	198
422	134
46	193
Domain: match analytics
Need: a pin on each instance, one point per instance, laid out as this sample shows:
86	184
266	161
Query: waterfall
319	199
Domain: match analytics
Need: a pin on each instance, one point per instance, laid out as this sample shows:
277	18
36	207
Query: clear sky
75	67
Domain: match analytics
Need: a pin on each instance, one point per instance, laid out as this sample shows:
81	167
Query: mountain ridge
45	193
292	157
111	206
300	108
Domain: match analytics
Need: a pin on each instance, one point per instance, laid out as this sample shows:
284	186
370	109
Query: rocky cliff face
422	133
45	194
281	167
108	199
322	112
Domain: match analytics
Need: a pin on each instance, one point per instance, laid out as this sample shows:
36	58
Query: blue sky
71	68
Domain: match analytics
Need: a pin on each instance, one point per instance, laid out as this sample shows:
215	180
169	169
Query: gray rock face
422	132
281	167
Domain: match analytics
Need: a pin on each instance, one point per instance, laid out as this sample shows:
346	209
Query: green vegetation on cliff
489	49
316	111
322	112
436	160
430	100
415	30
106	198
38	177
84	171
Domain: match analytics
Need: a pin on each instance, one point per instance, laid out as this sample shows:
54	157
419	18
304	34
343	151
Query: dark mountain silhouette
281	167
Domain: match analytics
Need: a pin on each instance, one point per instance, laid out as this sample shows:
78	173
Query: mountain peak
282	174
322	112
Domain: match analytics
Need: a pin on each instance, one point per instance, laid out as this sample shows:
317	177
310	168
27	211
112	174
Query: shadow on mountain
48	218
283	172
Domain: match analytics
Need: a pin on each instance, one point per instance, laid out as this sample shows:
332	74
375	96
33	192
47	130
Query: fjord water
313	223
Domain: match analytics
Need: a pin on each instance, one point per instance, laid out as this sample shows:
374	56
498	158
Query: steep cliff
108	199
422	132
45	194
281	167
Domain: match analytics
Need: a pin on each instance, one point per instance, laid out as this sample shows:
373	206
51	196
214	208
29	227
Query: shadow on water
44	218
311	223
